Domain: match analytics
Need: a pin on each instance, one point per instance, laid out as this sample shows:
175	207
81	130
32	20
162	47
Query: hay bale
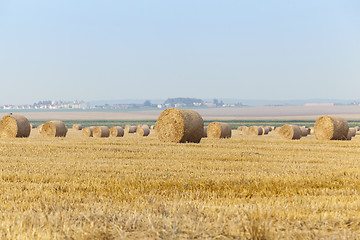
130	129
291	132
77	126
116	132
331	128
143	131
304	131
40	127
265	130
14	125
179	126
54	129
219	130
101	131
311	130
152	127
87	132
255	130
205	132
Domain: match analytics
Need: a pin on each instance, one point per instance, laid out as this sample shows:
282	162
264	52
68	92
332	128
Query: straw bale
255	130
152	127
205	132
130	129
54	129
179	126
290	132
331	128
14	125
116	131
304	131
88	131
219	130
143	131
352	132
77	126
265	130
39	127
101	131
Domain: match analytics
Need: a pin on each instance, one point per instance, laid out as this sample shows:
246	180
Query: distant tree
216	102
147	103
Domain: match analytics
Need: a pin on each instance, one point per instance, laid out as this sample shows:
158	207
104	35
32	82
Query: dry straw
14	125
77	127
331	128
179	126
54	129
116	131
101	131
143	131
255	130
205	132
87	132
291	132
130	129
219	130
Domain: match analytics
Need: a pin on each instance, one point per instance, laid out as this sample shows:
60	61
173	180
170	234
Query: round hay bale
77	126
88	131
54	129
265	130
219	130
351	132
291	132
304	131
255	130
14	125
143	131
40	127
205	132
130	129
101	131
331	128
116	132
179	126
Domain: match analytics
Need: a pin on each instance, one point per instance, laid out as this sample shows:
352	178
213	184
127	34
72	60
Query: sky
108	50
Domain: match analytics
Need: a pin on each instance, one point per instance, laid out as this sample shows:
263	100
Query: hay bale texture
255	131
77	126
351	133
143	131
291	132
116	131
130	129
88	131
331	128
14	125
179	126
39	128
219	130
101	131
304	131
265	130
54	129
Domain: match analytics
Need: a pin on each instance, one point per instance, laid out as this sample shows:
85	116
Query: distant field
246	187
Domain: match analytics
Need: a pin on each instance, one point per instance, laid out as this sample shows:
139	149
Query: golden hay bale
290	132
255	130
304	131
205	132
14	125
40	127
143	131
219	130
265	130
116	132
101	131
179	126
130	129
77	126
331	128
54	129
88	131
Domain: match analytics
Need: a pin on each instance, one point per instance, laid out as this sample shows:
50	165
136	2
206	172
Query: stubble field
247	187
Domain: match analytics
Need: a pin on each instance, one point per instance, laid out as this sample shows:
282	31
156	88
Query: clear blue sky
95	50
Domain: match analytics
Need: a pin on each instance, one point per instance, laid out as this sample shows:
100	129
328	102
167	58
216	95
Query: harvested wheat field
246	187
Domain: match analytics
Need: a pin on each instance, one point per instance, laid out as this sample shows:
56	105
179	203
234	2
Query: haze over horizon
91	50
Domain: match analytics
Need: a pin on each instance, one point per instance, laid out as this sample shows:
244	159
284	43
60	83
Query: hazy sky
141	49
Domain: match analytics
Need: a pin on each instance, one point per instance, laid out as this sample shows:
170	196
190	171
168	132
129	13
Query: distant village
169	103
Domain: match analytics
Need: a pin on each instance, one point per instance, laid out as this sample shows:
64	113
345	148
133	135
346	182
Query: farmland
250	187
